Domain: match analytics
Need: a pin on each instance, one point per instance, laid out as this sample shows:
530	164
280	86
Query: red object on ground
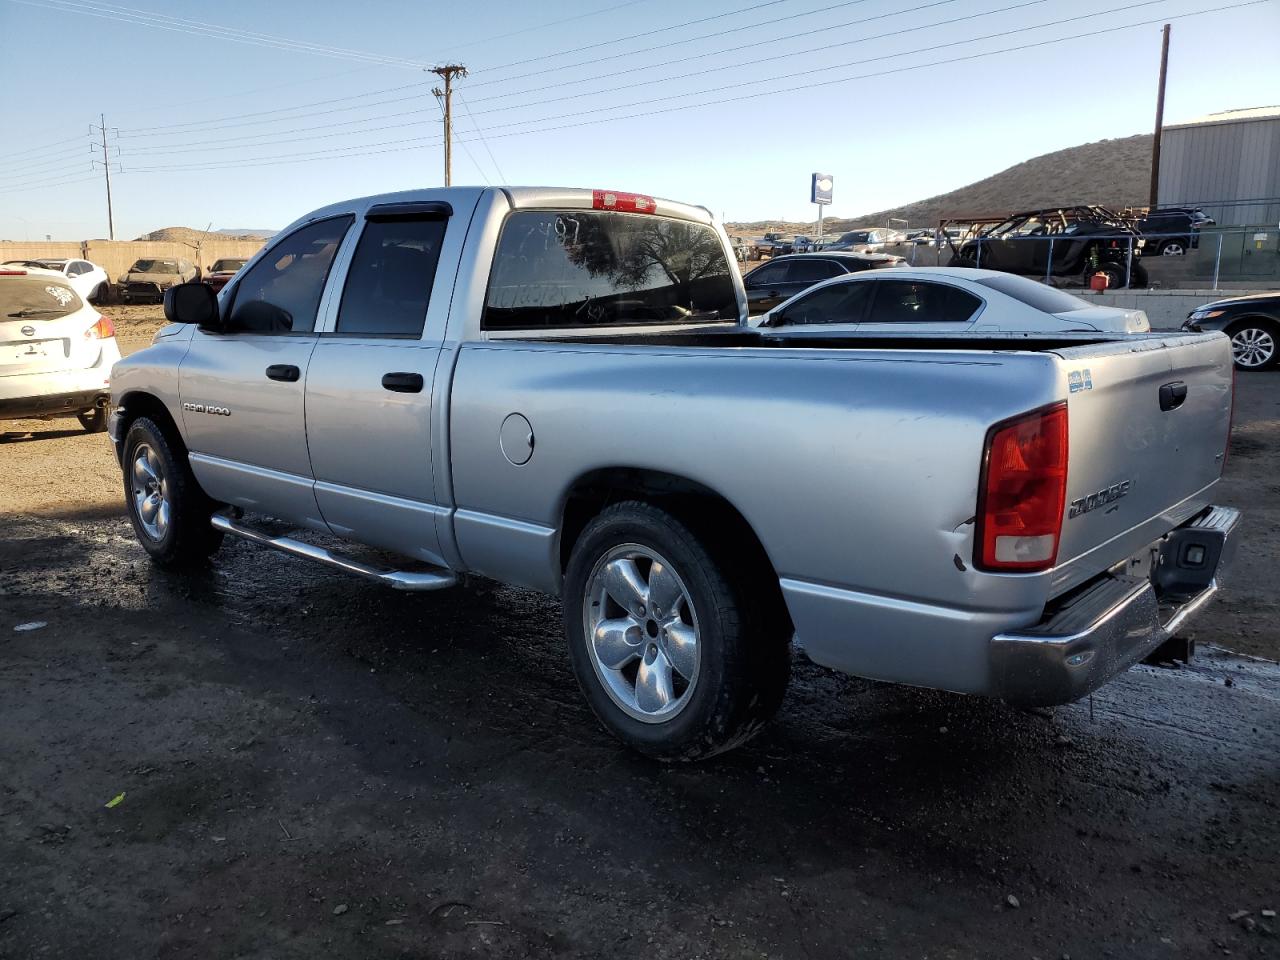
1099	282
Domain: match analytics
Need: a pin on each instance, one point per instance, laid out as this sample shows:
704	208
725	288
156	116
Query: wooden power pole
1155	142
447	74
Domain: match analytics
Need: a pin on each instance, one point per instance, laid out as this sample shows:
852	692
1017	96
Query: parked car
943	300
863	241
770	245
495	381
87	279
56	351
1252	322
783	277
148	279
1086	240
222	271
1183	223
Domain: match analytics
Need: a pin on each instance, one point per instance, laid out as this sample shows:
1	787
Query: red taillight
101	330
1022	491
13	273
624	202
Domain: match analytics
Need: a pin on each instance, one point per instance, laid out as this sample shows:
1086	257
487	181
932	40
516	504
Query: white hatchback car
87	279
56	351
942	300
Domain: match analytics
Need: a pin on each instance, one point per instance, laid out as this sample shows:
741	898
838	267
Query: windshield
1035	294
585	269
37	298
227	266
154	266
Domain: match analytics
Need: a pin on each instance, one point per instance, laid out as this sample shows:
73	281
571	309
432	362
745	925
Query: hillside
1114	173
188	235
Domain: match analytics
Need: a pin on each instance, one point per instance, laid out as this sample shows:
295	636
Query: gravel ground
306	765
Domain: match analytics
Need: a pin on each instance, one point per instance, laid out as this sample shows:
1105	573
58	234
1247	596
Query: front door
369	387
242	390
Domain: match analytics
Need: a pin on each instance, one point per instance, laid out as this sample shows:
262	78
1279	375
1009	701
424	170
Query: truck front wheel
674	653
169	511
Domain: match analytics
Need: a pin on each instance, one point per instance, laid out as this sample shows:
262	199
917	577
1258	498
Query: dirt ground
270	760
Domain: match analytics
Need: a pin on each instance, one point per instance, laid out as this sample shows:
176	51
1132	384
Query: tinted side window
913	301
810	271
769	273
838	303
389	281
583	268
281	294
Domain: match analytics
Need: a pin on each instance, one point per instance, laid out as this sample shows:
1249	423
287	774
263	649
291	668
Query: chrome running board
396	579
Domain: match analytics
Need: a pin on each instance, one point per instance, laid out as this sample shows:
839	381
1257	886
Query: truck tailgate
1149	420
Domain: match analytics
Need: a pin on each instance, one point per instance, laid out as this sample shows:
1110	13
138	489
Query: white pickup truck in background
556	388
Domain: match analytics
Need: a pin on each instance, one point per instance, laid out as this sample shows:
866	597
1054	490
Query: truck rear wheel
169	511
672	648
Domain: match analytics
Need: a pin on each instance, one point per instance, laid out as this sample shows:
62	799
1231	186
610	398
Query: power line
220	143
42	148
147	18
651	31
56	183
483	139
549	23
310	155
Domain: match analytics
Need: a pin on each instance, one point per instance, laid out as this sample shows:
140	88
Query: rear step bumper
396	579
52	404
1113	622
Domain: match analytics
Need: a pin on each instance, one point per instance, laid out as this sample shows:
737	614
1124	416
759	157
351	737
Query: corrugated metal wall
1219	165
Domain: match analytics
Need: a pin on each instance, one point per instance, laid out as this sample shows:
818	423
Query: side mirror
193	303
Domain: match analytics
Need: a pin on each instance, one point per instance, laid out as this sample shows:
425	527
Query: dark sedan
783	277
1252	322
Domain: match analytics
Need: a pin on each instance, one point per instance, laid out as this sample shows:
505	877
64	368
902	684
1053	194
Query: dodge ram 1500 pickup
556	388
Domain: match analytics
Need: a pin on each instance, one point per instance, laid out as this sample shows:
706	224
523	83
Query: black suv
1085	240
1172	231
783	277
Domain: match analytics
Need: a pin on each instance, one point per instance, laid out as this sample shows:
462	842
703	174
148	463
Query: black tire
1138	277
187	538
93	420
101	295
1255	344
1173	247
743	653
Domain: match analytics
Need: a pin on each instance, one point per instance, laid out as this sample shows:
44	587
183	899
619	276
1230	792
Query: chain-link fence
1210	258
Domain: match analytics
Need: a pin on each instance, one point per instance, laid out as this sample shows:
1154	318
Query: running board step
396	579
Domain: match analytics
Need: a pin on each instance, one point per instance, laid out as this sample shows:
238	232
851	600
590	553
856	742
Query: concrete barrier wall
116	256
1166	309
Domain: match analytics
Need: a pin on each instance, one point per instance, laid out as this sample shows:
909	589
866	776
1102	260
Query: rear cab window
600	269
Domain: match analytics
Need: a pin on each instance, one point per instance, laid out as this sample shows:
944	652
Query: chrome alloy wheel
642	632
150	490
1252	347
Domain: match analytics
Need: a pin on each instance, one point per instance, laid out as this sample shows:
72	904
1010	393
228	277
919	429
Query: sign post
820	193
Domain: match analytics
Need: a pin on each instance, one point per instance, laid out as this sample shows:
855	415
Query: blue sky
593	93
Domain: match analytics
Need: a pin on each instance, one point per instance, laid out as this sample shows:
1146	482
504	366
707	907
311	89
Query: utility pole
106	169
1155	142
447	73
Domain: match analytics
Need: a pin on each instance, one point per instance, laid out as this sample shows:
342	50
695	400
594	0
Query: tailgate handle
1172	395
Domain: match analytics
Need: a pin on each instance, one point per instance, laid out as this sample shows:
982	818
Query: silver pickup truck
556	388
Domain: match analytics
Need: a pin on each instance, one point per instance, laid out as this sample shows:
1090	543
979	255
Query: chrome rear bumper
1117	620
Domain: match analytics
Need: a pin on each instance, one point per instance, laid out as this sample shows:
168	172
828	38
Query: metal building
1226	163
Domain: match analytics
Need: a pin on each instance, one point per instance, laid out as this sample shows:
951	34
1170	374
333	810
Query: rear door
242	390
369	388
920	306
1148	434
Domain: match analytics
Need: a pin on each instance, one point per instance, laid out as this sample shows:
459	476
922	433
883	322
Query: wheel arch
139	403
704	509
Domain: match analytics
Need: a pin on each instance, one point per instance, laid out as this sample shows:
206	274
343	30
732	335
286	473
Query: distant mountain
188	235
243	233
1113	173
